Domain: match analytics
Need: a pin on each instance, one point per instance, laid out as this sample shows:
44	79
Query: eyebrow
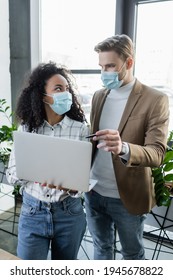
58	85
108	64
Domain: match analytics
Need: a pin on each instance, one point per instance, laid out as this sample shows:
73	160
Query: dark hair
30	108
121	44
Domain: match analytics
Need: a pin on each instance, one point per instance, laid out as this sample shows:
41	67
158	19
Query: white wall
35	34
5	83
6	201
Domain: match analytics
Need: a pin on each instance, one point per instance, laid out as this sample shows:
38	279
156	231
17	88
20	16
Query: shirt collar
64	123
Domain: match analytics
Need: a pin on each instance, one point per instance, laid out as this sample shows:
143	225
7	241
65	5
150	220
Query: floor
158	231
153	249
162	250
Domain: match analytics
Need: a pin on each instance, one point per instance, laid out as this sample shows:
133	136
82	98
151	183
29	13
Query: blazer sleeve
152	152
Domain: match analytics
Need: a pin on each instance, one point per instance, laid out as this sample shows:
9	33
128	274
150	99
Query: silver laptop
53	160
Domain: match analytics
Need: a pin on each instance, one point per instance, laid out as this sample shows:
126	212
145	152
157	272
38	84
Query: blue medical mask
110	80
62	102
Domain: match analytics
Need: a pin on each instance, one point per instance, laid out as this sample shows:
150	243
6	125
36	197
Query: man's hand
109	140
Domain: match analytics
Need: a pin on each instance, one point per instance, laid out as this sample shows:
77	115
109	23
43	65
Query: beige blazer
144	125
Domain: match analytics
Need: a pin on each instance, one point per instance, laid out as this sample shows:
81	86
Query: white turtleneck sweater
102	169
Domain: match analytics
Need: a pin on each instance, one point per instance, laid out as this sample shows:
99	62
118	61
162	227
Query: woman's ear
45	99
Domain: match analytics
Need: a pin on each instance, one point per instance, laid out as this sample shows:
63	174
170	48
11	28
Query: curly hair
30	110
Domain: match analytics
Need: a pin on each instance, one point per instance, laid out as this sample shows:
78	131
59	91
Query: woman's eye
58	89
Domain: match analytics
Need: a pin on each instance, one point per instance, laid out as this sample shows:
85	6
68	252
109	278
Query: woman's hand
51	186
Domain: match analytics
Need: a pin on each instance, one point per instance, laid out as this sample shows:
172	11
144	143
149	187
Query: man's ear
129	63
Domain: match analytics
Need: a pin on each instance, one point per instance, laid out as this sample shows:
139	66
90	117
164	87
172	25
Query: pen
90	136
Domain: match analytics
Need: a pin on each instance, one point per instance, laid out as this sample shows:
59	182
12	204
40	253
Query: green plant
163	178
6	139
6	132
16	191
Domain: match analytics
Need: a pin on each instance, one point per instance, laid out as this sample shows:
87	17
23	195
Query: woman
49	216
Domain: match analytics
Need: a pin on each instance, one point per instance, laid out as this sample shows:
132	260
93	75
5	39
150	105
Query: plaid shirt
67	128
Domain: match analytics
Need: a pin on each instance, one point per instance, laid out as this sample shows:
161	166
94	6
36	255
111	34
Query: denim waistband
39	203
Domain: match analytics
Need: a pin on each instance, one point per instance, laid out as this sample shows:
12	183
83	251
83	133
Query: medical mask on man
62	102
110	79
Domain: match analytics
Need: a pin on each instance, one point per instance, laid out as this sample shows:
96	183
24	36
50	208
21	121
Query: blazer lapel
131	102
98	109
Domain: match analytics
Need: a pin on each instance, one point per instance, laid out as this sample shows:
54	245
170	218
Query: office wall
6	200
5	83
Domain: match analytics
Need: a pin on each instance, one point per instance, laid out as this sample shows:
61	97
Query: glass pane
71	28
69	31
87	85
154	48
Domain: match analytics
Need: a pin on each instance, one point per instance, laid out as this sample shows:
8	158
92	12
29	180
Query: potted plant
6	132
6	136
163	176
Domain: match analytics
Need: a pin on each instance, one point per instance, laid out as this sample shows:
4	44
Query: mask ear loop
46	102
121	69
47	95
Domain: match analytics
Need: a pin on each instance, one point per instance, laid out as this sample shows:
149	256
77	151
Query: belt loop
39	205
64	205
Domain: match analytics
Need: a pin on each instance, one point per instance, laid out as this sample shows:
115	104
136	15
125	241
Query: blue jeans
60	225
105	213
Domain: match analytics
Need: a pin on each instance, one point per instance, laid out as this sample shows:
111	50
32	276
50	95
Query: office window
71	28
69	31
154	48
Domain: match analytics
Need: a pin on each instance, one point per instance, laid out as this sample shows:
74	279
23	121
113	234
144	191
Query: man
130	121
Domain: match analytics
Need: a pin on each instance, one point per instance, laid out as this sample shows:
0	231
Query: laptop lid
53	160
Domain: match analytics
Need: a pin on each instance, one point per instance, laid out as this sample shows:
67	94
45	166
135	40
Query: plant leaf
168	157
168	166
158	178
168	177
